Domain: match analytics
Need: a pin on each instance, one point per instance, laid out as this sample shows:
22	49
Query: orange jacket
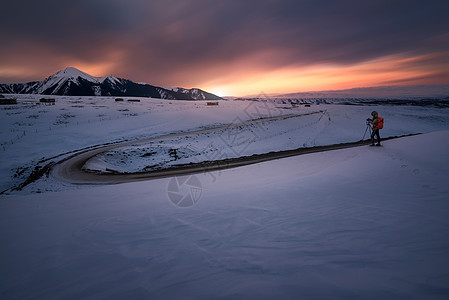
378	123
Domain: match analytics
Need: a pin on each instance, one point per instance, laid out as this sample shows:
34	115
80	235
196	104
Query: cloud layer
230	44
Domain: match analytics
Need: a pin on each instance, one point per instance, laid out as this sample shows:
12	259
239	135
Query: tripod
368	127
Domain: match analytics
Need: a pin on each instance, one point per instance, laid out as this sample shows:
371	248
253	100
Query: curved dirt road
71	169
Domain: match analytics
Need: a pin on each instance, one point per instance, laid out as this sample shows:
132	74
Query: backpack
380	122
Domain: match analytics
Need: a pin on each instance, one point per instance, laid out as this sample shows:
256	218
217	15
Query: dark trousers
375	133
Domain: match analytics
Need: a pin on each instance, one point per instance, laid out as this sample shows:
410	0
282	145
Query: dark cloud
439	77
163	41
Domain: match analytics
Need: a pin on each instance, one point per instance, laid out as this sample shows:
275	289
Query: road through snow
71	170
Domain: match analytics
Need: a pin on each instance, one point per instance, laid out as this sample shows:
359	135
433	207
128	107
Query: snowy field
32	135
365	222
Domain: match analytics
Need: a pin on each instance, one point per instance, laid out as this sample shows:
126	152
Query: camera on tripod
368	127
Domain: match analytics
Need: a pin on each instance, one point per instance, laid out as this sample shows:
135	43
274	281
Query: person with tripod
377	123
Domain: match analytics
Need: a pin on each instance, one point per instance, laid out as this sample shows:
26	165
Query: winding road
71	169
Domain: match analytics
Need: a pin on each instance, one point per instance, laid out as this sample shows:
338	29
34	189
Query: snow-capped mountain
194	93
73	82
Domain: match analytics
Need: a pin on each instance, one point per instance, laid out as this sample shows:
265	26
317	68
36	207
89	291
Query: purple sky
230	47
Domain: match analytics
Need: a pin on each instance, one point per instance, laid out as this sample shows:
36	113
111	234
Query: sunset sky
234	47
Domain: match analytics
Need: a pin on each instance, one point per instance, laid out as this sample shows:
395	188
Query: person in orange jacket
377	123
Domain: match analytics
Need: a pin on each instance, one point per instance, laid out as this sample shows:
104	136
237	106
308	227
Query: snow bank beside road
367	222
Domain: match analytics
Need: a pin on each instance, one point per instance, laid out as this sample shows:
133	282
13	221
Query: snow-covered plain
33	134
366	222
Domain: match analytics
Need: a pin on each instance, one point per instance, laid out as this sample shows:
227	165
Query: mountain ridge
73	82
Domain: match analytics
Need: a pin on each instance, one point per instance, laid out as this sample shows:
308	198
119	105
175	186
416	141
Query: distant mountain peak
111	78
73	82
74	73
71	72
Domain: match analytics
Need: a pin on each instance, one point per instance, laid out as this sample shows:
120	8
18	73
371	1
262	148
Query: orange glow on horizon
372	73
253	74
